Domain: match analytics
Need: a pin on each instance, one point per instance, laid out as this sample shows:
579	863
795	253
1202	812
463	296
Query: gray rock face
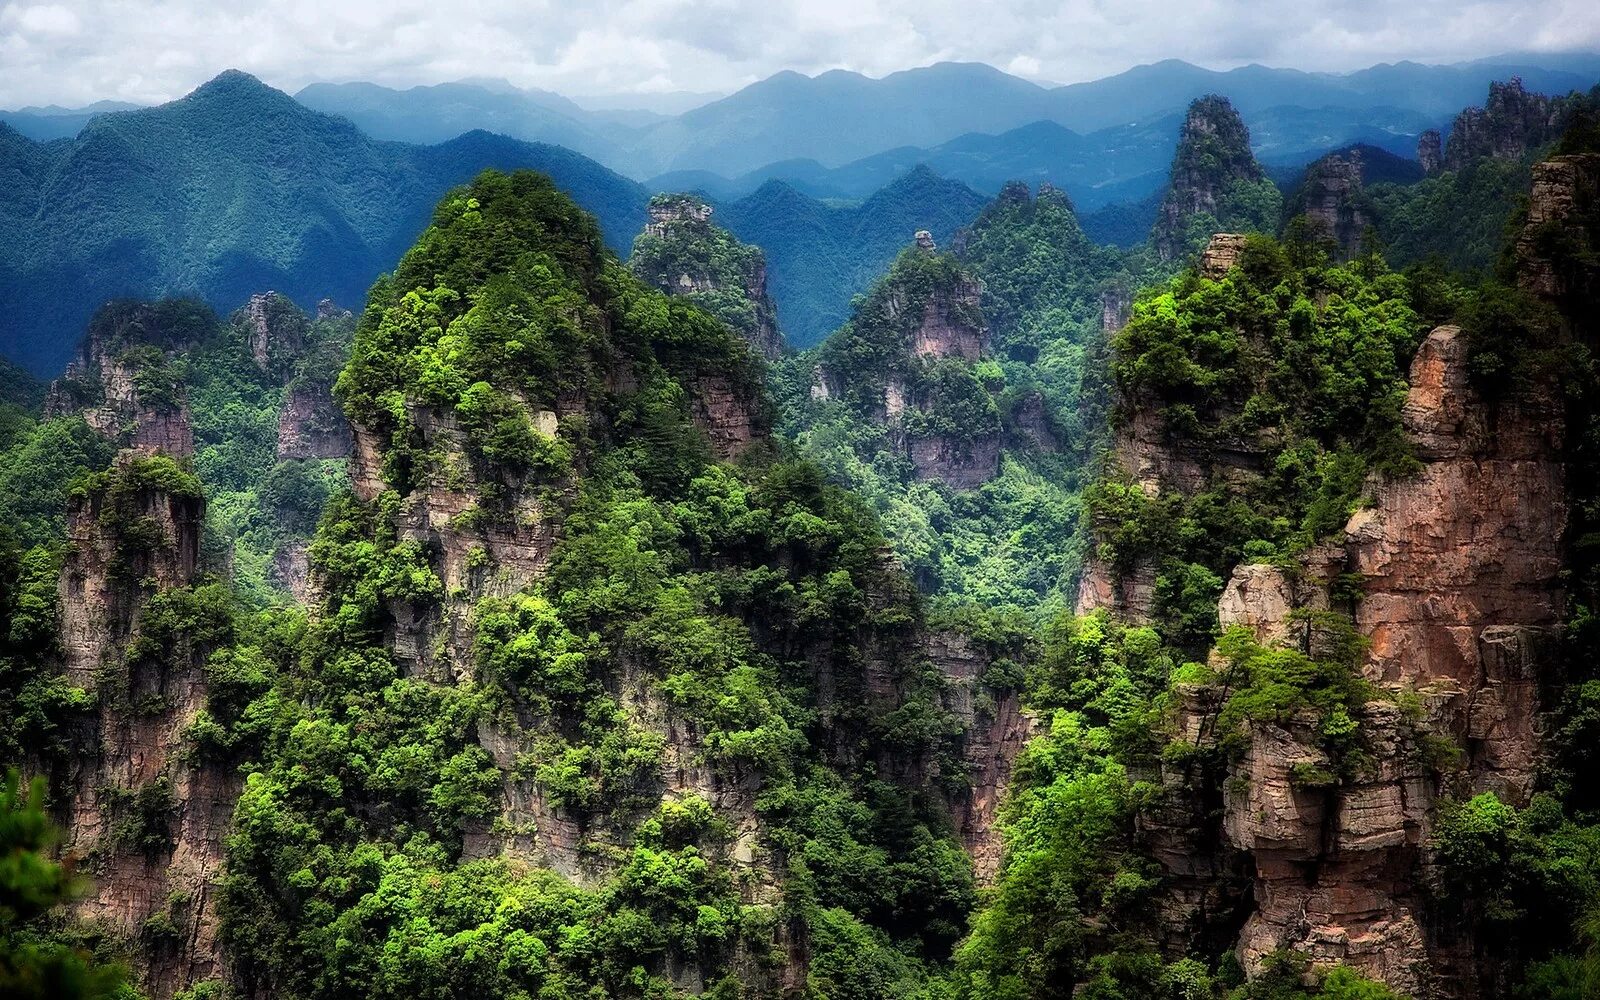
1430	152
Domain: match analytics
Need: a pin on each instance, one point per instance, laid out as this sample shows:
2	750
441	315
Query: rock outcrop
1116	304
120	383
1510	125
995	731
1452	579
1213	156
924	328
1564	188
682	252
1331	199
276	330
1221	255
1430	152
144	819
1459	570
311	424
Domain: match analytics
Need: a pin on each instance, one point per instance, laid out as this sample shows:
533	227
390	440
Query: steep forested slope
596	691
683	252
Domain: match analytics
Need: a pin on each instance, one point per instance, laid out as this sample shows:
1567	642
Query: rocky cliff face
922	328
1453	580
1510	125
1213	157
1563	188
310	424
143	814
142	817
995	731
121	385
276	330
682	252
1430	152
1459	571
1331	199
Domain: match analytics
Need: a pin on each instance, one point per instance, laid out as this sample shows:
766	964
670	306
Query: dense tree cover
721	270
1216	187
1460	217
1006	542
1294	363
34	962
683	596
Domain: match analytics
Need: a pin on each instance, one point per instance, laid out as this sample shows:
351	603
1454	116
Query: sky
75	52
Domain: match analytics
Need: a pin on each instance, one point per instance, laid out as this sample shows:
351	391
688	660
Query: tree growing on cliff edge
31	885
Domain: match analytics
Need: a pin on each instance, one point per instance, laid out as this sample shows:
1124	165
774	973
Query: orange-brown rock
1459	570
131	747
1221	255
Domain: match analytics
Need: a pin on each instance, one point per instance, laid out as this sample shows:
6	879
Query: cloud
153	50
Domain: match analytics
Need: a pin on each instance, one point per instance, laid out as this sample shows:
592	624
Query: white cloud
152	50
43	20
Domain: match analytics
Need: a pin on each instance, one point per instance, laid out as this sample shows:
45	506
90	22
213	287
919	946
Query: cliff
122	381
1459	594
1430	152
908	362
1331	198
1442	595
1512	124
146	821
1215	184
682	252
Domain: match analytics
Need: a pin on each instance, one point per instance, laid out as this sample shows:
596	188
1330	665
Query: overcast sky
77	51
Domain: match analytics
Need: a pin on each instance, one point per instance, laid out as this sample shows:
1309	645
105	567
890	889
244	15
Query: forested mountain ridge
1216	183
230	190
820	255
578	634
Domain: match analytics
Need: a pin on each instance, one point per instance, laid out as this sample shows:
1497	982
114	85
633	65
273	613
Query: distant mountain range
1119	164
838	118
844	135
235	189
238	188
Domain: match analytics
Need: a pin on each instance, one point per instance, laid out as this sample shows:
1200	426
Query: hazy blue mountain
796	128
1118	164
838	117
55	122
819	256
1433	91
438	113
234	189
664	104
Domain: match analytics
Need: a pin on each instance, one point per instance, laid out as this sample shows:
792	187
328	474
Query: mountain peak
230	81
1210	172
233	87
